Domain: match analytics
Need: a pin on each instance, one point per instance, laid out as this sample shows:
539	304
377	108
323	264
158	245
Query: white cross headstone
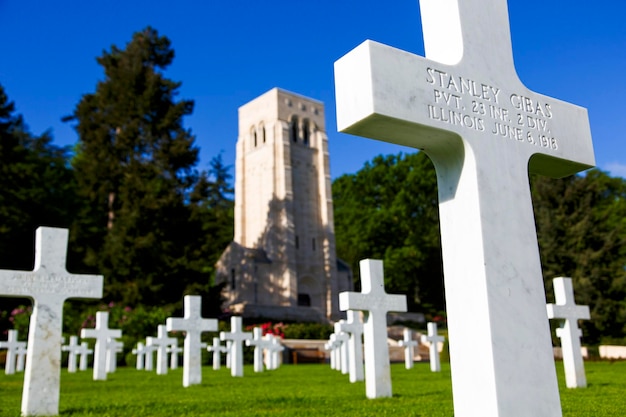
140	352
49	284
237	336
331	354
102	334
483	130
20	353
84	353
433	340
217	350
409	347
375	303
162	343
335	352
354	326
174	351
343	339
11	345
113	348
148	359
229	352
260	344
193	325
272	359
72	358
566	309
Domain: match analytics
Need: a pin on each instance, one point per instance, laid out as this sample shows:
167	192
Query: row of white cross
374	302
107	346
346	349
164	345
16	353
193	325
464	106
50	284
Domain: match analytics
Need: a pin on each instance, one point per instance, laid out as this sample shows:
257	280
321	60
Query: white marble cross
335	352
193	325
237	336
217	349
148	359
375	303
343	339
409	347
72	358
84	353
162	342
483	130
433	340
140	352
354	326
272	358
260	344
566	309
11	344
49	284
331	353
102	334
113	348
20	353
229	352
174	350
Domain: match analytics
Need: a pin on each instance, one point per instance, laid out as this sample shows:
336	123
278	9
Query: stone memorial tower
282	262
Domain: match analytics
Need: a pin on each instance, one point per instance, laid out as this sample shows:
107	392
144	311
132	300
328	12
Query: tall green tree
135	169
388	210
581	227
211	204
36	187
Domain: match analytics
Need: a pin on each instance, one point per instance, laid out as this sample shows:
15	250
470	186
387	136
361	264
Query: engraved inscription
28	283
461	101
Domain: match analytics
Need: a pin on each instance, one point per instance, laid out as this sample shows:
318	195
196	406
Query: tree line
142	214
389	210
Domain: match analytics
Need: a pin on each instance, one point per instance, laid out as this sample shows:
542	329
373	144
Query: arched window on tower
293	129
254	137
263	137
305	131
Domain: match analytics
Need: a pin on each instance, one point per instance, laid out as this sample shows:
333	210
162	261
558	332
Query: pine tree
135	168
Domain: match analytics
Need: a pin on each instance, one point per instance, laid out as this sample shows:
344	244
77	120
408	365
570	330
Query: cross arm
176	324
368	302
391	95
578	312
33	285
379	96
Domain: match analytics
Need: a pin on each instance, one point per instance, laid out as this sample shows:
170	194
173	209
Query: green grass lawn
302	390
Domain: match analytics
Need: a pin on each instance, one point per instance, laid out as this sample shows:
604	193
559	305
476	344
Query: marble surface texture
484	130
375	303
237	337
193	324
49	284
567	310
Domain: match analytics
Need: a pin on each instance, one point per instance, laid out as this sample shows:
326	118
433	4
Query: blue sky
229	52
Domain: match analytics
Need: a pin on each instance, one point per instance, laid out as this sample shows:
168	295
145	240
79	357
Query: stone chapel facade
282	264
